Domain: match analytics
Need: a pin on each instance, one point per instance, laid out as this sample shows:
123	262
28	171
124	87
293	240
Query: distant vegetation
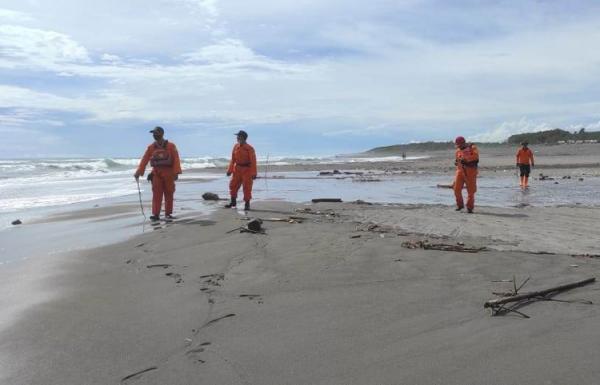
421	147
553	136
541	137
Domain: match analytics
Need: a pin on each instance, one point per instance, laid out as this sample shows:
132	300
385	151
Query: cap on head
460	140
157	130
242	133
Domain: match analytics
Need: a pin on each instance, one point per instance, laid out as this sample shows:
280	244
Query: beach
331	293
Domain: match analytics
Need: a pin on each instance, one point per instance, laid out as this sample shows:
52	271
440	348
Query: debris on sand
208	196
501	306
586	255
162	265
361	202
445	186
365	179
545	177
326	200
255	224
424	244
16	222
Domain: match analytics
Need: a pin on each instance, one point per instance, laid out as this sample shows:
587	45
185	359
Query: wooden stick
331	200
498	302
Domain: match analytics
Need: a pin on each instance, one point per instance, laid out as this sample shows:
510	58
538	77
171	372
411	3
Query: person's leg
157	194
526	172
234	186
169	188
247	182
459	181
471	182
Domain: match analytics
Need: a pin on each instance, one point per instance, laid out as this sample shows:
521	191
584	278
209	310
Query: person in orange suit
166	167
525	162
242	170
467	162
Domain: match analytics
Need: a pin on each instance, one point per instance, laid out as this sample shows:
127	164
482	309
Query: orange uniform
166	165
243	169
467	160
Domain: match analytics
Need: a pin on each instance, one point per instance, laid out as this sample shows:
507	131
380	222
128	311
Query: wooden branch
498	302
331	200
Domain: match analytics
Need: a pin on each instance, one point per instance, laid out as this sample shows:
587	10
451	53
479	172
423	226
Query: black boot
247	206
231	204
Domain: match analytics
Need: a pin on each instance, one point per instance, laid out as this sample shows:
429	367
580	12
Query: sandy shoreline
333	300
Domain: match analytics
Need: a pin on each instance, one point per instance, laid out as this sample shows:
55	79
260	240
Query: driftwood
331	200
445	186
441	246
498	305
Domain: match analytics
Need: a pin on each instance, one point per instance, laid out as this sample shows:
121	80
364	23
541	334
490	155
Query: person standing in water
467	163
524	163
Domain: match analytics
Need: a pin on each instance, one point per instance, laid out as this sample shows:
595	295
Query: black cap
158	129
525	143
242	133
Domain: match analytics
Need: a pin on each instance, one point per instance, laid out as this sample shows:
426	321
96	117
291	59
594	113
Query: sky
303	77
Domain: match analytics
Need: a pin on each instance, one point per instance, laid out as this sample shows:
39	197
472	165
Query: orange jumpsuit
524	161
165	166
467	160
243	169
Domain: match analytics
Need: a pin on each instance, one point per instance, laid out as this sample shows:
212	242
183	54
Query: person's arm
143	163
176	160
253	166
231	162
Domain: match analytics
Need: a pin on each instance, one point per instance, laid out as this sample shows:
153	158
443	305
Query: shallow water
37	239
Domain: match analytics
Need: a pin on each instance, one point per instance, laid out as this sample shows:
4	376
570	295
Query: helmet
459	140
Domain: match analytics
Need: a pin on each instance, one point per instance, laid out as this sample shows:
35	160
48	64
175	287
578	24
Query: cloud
28	47
8	15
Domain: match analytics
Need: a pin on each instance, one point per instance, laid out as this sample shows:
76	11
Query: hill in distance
540	137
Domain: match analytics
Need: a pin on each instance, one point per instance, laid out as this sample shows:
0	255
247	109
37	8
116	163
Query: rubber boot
247	206
231	204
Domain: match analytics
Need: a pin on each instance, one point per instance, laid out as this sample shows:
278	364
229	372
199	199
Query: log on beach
329	200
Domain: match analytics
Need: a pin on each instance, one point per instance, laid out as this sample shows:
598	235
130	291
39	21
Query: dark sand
312	303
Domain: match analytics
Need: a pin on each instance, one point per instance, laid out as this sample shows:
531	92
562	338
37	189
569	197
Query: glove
228	174
176	176
532	165
253	177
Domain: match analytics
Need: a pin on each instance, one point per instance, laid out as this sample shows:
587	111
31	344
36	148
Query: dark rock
581	179
16	222
255	224
208	196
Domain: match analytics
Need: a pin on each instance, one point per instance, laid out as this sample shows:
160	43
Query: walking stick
140	196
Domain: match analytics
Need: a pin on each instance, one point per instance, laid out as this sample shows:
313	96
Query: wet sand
335	299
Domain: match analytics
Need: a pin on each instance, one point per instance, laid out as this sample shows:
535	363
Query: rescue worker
242	170
524	163
166	167
467	161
